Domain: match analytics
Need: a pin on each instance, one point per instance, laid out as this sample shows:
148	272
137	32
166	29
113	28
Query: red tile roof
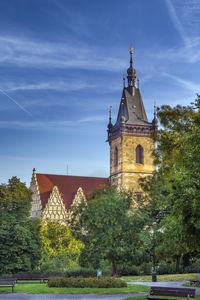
67	185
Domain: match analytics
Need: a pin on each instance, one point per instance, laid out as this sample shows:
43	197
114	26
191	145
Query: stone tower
131	144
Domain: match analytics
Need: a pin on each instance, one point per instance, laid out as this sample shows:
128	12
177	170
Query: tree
112	229
19	235
174	187
58	244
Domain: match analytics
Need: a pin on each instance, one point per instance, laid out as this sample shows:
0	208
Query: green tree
59	245
173	190
112	229
19	235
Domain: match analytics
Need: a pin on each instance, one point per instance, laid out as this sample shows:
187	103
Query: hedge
71	282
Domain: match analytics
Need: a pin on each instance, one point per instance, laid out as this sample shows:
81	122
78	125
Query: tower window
138	197
139	155
116	157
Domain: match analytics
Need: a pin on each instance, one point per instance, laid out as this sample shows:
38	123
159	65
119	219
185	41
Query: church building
131	144
131	148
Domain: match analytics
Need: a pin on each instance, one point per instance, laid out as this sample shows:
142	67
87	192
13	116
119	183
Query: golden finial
138	80
131	50
124	80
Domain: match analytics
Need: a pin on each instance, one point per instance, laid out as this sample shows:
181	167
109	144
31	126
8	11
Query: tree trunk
177	264
114	267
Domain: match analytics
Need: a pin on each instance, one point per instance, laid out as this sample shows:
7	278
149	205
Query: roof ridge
78	176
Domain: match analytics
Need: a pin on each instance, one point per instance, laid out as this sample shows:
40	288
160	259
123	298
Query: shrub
193	268
129	270
165	268
81	272
72	282
50	268
146	268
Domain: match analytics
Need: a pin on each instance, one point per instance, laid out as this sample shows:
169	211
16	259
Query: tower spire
131	73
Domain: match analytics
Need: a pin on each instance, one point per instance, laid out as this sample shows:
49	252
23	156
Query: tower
131	144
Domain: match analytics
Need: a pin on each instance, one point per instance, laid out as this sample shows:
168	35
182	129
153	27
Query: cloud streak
17	103
37	54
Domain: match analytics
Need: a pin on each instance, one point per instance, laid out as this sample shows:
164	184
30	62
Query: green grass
167	277
44	289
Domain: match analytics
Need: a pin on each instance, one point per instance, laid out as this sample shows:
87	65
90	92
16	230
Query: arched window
116	157
139	155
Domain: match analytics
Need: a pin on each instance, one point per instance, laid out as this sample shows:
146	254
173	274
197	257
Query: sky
61	66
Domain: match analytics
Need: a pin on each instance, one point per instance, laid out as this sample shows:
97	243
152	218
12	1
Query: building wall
128	172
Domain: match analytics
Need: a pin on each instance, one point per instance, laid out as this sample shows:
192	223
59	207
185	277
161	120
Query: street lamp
154	276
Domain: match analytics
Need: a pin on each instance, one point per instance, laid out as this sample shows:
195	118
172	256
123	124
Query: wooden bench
7	283
28	277
197	281
167	292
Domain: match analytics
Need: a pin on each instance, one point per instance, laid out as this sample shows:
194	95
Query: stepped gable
67	185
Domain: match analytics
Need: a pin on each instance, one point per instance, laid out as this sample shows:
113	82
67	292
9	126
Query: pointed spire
138	81
110	123
123	80
123	116
155	121
131	72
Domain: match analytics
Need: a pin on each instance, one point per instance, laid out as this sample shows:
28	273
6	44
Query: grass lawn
44	289
167	277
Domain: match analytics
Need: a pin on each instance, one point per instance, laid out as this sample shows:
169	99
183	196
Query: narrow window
139	155
138	197
116	157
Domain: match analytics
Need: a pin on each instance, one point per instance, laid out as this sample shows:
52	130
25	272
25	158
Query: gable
67	186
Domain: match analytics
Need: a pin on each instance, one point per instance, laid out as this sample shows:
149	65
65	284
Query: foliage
112	229
103	282
173	190
19	235
59	246
81	272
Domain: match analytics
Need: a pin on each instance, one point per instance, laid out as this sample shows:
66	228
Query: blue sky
61	66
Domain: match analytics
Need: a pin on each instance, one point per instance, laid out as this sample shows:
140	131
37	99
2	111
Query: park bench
28	277
166	292
197	281
7	283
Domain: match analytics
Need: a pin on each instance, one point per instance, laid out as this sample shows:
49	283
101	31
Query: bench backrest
174	292
27	276
6	282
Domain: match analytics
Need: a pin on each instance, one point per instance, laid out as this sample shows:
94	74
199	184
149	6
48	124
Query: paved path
64	297
90	296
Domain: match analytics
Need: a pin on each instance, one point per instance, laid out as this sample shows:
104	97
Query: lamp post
154	276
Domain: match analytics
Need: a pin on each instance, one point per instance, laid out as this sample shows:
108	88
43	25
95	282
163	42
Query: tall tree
19	235
174	187
112	229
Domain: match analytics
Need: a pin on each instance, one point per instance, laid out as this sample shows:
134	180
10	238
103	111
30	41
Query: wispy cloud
194	87
177	23
48	85
38	54
48	125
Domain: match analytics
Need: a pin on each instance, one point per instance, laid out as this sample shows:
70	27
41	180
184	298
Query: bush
49	268
72	282
81	272
193	268
146	268
128	271
165	268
